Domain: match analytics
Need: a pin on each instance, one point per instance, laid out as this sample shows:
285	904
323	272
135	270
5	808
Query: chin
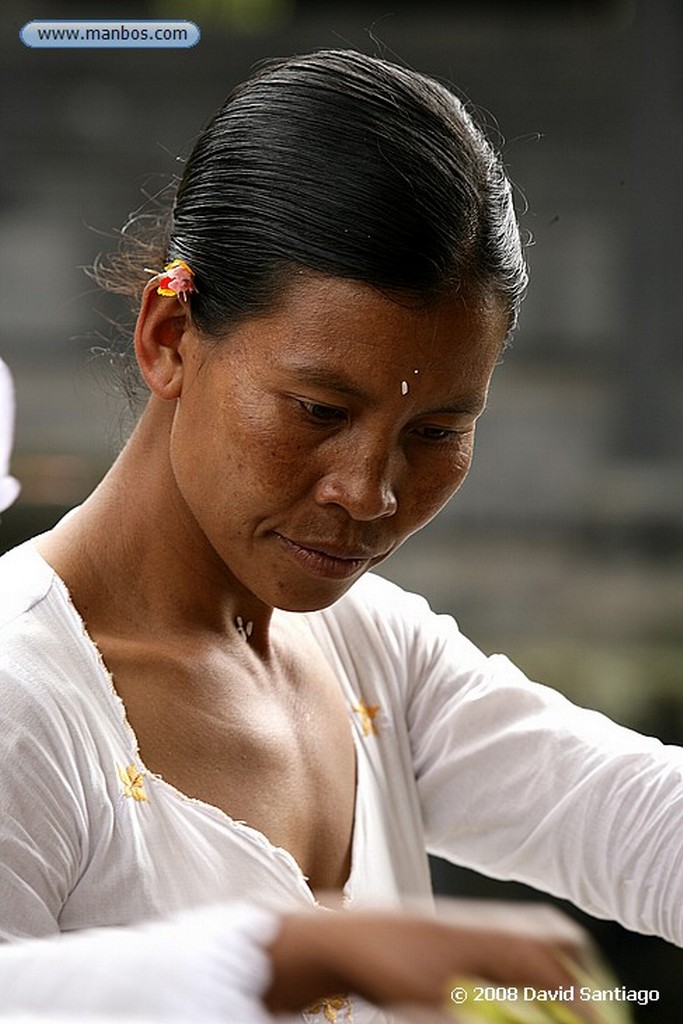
313	598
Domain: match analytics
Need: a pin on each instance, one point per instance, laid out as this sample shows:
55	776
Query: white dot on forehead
404	387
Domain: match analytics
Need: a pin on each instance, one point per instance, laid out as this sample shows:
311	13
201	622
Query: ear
162	323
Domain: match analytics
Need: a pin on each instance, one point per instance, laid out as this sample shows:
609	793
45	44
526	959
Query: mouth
327	560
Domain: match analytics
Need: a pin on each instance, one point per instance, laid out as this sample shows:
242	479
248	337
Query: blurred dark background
565	548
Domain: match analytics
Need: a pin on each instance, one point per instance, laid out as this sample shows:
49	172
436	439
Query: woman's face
314	439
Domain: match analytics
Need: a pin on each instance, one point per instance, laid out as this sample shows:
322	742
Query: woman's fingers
396	958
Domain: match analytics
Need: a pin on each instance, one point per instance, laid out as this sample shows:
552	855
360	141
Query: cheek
438	482
254	459
462	461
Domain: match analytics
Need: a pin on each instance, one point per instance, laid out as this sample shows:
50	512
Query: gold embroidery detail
367	714
133	782
330	1007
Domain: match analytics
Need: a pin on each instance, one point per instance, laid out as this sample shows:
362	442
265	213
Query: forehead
336	322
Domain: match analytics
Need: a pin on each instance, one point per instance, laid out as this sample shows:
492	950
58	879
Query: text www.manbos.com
109	33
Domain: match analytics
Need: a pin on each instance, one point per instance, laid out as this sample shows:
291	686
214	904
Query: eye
439	435
323	414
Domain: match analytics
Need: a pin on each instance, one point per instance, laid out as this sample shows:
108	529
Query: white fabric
9	487
470	761
204	965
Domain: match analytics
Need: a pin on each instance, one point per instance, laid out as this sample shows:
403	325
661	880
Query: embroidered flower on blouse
133	782
331	1007
367	714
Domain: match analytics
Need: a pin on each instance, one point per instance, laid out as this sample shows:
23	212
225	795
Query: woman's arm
208	964
517	782
397	958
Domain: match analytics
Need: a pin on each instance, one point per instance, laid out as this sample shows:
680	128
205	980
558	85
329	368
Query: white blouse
457	754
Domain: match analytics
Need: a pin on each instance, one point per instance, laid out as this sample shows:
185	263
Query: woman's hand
399	958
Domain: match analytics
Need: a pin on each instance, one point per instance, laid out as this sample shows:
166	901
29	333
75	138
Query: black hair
347	165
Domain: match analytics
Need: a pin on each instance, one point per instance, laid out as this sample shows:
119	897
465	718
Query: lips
327	560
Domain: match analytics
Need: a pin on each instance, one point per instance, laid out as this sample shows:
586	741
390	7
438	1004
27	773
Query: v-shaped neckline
259	837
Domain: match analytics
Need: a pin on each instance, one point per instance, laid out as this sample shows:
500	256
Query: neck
135	560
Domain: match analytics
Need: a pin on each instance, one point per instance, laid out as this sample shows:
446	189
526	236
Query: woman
183	654
236	961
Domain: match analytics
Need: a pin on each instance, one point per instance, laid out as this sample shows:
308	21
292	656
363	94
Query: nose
362	485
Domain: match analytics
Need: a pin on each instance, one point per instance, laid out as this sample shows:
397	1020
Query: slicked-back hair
346	165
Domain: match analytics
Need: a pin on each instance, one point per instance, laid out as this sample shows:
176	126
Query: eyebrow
331	380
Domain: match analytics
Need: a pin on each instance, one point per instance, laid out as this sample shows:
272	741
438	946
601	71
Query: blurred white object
9	487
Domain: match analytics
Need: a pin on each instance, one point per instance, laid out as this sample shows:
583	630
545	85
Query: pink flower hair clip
177	278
